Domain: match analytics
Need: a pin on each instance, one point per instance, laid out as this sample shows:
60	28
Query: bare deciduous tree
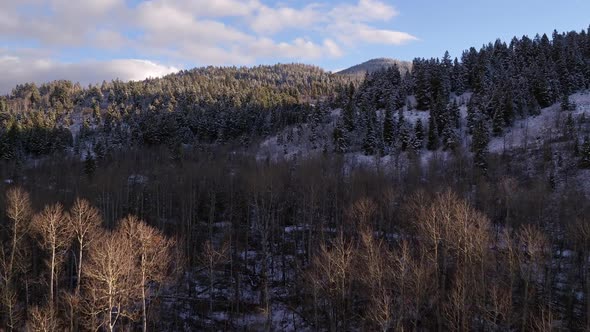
19	214
42	319
55	237
12	257
84	221
211	258
375	271
152	257
335	268
109	284
531	254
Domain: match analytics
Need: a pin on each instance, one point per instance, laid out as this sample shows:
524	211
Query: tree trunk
51	278
143	305
79	276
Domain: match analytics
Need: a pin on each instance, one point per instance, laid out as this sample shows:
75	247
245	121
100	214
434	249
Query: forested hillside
452	197
211	105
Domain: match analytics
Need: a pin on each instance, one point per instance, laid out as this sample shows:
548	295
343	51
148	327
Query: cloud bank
36	34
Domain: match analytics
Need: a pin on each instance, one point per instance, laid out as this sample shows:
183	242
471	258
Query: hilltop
374	65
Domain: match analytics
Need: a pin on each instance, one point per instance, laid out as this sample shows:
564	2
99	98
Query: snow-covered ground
532	131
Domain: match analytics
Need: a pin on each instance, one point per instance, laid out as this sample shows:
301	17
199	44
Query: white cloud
364	11
300	49
109	39
380	36
17	70
354	33
83	9
218	8
273	20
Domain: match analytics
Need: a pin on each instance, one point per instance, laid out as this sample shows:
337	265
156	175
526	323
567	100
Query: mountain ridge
374	65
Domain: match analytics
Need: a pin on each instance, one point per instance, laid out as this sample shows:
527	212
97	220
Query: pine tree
508	109
35	95
471	115
339	138
405	138
370	142
348	116
497	123
89	164
450	138
432	143
585	154
418	135
455	114
388	128
479	145
100	150
566	104
570	126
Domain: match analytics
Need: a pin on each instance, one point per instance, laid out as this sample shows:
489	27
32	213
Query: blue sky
94	40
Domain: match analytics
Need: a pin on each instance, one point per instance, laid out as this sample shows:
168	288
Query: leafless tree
109	284
533	246
211	258
84	221
334	267
19	214
55	237
13	257
41	319
152	256
376	273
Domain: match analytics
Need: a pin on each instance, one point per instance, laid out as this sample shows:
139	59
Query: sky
89	41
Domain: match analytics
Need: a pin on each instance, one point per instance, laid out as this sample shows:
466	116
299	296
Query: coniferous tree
432	143
479	145
370	142
405	137
388	128
566	105
348	117
418	135
89	164
570	127
471	115
497	123
340	140
585	154
508	108
450	138
455	114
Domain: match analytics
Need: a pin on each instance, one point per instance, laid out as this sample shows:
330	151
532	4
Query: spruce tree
566	104
497	123
471	115
479	145
570	126
405	138
585	154
388	128
339	138
418	135
450	138
370	141
89	164
432	143
455	114
508	109
348	116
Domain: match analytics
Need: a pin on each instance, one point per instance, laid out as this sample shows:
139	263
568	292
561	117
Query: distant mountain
375	65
